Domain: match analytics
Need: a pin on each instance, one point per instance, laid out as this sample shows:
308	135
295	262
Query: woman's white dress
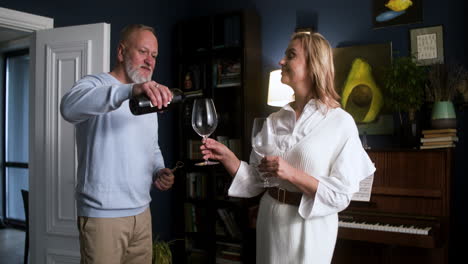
326	145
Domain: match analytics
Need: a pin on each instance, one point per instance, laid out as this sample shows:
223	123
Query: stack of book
228	74
439	138
228	253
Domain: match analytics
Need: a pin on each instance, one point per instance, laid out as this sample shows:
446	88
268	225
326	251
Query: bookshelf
219	55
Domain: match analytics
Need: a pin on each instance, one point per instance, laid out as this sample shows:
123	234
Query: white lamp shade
279	94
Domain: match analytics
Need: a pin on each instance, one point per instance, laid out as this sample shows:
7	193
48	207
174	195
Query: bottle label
151	104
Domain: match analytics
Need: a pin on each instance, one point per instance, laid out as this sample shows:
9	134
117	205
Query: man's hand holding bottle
159	94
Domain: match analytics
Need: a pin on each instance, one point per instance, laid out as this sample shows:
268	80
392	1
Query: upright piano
407	219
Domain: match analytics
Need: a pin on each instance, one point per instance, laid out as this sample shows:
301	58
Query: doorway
15	39
15	119
14	76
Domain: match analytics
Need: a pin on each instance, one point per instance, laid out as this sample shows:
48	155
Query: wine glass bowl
204	121
264	143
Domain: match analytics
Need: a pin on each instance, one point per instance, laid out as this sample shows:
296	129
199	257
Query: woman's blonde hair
319	60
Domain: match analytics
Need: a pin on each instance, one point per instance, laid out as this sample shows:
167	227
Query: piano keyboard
386	227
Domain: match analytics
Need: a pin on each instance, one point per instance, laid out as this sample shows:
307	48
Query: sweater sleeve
89	97
325	202
334	191
159	162
246	182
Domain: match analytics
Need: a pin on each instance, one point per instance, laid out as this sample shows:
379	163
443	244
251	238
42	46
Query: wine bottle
141	104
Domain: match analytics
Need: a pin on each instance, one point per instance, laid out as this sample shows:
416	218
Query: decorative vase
443	115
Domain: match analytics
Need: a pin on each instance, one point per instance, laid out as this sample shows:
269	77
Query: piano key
386	227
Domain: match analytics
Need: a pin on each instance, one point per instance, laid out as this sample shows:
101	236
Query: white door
59	57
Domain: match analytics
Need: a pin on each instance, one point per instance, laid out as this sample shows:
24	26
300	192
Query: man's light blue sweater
118	153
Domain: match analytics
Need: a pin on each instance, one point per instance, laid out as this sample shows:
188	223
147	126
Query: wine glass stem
266	182
204	139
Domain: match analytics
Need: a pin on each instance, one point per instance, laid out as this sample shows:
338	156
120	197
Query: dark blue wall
342	22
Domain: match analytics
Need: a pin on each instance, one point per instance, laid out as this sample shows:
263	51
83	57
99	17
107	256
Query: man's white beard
134	74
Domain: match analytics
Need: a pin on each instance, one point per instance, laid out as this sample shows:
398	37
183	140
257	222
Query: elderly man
118	153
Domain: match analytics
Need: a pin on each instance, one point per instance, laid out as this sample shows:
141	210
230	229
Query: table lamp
279	94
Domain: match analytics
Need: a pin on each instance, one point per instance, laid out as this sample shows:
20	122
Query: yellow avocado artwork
361	95
399	5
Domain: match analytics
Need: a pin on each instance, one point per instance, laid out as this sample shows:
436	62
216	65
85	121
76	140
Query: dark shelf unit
220	55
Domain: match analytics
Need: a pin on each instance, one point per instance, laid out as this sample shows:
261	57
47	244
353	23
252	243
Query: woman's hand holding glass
277	167
212	149
204	121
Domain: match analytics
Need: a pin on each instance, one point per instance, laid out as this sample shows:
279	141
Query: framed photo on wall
427	45
359	78
396	12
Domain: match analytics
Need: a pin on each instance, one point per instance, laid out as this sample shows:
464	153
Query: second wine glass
264	143
204	121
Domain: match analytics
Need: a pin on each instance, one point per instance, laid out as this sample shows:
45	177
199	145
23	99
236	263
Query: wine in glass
263	143
204	121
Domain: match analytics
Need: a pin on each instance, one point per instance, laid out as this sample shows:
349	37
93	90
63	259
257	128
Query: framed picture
359	77
396	12
427	45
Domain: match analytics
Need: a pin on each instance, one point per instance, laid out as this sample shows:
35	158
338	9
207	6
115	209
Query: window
16	129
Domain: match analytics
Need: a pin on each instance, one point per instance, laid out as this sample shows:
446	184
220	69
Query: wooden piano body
408	217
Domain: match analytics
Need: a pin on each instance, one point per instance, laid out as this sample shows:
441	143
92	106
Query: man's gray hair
128	30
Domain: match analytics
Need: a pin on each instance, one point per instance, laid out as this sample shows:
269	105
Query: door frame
22	21
26	22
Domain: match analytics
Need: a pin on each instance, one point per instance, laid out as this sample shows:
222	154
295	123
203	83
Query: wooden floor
11	246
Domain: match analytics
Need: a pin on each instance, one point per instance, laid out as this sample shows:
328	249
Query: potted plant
161	252
404	93
462	89
444	80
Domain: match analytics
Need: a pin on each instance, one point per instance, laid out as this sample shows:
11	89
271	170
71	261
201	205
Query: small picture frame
427	45
394	13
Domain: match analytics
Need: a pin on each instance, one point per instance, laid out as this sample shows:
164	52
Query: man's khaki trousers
116	240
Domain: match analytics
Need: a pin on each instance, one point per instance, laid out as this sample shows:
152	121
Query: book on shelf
436	135
196	185
194	216
228	252
227	73
438	143
222	184
440	139
219	229
235	146
230	255
439	131
229	222
194	151
188	212
224	85
232	29
227	261
451	145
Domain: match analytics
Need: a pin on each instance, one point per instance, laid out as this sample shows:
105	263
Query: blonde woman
319	162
